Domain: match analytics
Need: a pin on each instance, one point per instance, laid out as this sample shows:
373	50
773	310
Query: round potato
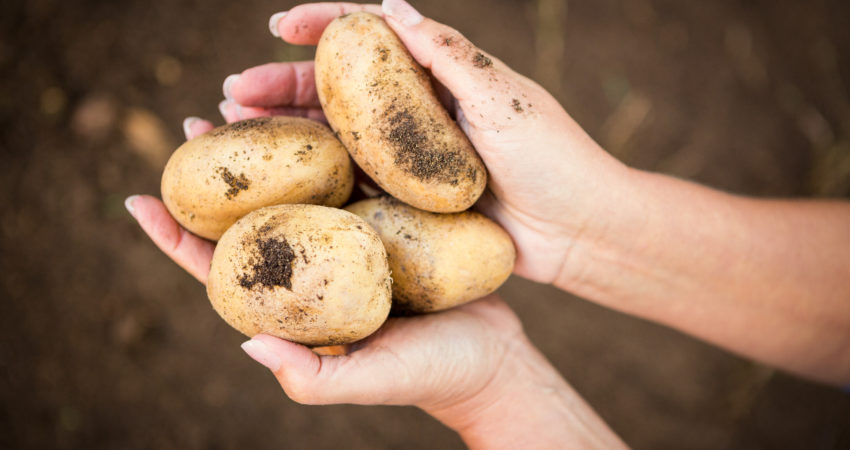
384	109
438	261
213	180
305	273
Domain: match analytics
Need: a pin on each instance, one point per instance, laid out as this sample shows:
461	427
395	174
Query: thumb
467	71
312	379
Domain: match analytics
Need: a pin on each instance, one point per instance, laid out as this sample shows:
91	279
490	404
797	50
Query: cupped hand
471	367
550	183
433	361
439	362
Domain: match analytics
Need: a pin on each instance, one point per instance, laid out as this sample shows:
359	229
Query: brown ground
105	343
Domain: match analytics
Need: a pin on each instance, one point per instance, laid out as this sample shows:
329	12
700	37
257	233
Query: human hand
471	367
550	185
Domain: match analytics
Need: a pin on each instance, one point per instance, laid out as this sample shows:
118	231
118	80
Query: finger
246	112
304	24
274	84
189	251
230	111
477	80
234	112
195	126
365	377
446	98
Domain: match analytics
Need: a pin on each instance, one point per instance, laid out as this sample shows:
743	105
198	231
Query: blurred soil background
105	343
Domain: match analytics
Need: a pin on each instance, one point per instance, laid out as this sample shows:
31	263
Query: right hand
550	184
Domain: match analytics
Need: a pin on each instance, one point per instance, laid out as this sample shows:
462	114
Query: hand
471	367
550	184
434	361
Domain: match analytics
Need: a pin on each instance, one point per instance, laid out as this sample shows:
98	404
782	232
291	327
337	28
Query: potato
213	180
384	109
305	273
438	261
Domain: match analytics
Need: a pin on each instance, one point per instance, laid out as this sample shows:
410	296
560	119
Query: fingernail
401	11
187	125
274	20
261	353
228	85
222	108
128	203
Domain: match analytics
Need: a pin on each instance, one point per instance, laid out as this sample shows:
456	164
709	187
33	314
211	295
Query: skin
766	279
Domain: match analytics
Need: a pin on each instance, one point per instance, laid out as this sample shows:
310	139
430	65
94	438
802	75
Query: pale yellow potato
382	105
216	178
306	273
438	261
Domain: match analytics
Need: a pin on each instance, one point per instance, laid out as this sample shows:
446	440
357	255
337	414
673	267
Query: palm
438	358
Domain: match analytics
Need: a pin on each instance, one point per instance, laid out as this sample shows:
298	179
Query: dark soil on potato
275	266
107	344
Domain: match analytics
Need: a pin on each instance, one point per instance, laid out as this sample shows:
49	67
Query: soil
480	60
105	343
275	266
257	124
516	105
237	184
414	151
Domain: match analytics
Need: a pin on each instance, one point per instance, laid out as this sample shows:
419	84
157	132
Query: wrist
644	252
463	413
527	404
613	227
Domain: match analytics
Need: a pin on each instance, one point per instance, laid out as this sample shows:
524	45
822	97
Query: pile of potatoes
290	263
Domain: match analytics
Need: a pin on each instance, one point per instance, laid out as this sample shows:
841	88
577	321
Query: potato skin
384	109
216	178
438	261
305	273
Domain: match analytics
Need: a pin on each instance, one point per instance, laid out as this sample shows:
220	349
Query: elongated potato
306	273
384	109
438	260
213	180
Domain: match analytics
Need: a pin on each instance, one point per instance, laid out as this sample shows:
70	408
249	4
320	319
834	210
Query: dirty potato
438	261
213	180
384	109
305	273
